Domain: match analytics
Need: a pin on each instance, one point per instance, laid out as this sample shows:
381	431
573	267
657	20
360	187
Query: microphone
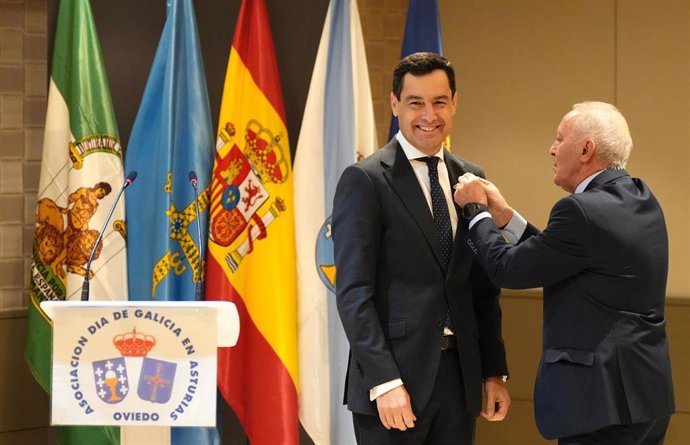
199	285
85	285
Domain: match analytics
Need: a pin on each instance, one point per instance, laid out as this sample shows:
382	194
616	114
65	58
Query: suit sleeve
356	236
542	259
485	296
488	315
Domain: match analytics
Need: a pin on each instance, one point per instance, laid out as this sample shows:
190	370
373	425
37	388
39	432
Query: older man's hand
468	190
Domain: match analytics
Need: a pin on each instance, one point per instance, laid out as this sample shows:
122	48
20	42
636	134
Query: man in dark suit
605	373
422	319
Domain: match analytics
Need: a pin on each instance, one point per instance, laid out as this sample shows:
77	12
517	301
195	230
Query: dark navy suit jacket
391	289
602	261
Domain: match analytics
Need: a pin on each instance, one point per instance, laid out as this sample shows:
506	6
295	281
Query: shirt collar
583	185
411	151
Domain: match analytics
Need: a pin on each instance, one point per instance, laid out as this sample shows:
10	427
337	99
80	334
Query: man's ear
394	104
454	101
588	151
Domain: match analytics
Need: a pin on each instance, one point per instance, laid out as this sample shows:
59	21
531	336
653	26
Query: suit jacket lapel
402	179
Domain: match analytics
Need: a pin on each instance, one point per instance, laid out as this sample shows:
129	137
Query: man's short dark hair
419	64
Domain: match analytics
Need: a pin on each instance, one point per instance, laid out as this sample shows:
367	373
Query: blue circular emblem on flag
325	264
230	198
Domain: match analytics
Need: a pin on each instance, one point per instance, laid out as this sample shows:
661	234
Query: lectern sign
134	365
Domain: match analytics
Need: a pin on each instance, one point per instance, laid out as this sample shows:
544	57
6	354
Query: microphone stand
199	285
85	284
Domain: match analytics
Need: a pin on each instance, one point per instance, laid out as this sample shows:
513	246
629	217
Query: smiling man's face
425	110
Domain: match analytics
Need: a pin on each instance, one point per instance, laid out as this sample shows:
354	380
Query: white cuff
383	388
478	218
515	228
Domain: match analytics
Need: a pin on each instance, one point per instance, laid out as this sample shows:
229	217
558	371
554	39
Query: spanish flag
251	257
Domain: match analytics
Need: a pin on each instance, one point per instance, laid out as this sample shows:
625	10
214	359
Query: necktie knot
431	161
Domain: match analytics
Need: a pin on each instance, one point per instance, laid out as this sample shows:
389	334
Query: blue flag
422	33
171	146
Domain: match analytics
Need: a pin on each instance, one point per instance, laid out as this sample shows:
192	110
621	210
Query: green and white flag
81	174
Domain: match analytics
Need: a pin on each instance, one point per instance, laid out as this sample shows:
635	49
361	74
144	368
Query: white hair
606	126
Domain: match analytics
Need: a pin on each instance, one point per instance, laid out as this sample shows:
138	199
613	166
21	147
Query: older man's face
567	151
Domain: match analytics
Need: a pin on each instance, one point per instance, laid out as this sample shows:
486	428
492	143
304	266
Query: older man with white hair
605	374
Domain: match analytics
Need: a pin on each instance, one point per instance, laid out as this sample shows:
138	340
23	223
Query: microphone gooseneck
85	285
199	284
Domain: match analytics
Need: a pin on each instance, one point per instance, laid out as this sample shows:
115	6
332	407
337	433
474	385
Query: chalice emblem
111	381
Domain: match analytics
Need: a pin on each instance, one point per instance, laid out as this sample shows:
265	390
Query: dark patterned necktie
441	220
440	211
